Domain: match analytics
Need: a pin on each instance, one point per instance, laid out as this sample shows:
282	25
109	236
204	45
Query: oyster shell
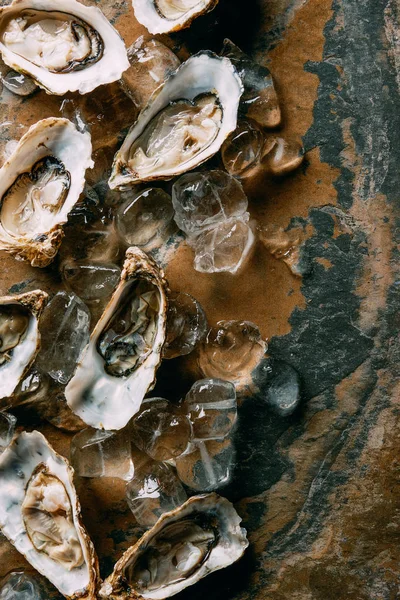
163	16
40	515
185	122
117	368
64	47
201	536
39	185
19	337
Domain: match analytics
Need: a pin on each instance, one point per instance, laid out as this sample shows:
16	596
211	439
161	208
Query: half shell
200	537
19	336
64	46
117	368
40	514
185	122
39	185
163	16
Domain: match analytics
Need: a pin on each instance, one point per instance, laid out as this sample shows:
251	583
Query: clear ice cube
286	155
208	465
154	490
151	64
18	585
98	453
212	408
146	219
224	248
91	281
279	386
186	325
160	429
205	199
64	328
7	429
19	84
242	151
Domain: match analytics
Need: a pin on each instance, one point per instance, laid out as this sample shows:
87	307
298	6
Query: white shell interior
107	69
201	74
16	466
148	15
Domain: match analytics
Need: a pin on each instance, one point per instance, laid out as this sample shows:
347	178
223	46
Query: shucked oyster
19	336
163	16
117	367
64	47
201	536
184	124
40	515
39	185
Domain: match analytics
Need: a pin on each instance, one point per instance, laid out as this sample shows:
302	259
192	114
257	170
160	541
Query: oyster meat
19	337
163	16
40	515
185	122
200	537
117	368
64	47
39	185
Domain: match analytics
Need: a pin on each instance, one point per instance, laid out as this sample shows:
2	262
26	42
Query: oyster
185	122
19	337
64	47
40	515
39	185
201	536
163	16
117	368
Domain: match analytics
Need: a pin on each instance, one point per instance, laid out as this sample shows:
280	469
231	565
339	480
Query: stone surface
212	408
146	219
18	585
208	465
7	428
154	491
96	453
64	328
186	325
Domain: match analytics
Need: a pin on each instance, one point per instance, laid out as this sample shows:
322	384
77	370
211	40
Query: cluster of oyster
185	122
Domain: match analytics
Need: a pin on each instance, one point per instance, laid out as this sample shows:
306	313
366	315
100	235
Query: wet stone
19	84
7	429
64	328
186	325
154	490
243	149
204	199
212	409
18	585
279	386
97	453
151	64
160	429
91	281
208	465
146	219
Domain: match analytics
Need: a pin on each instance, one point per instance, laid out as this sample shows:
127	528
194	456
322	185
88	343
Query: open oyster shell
39	185
40	515
184	123
201	536
19	337
64	46
117	368
163	16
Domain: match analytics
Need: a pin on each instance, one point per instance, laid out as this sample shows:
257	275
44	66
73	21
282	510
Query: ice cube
19	84
212	408
18	585
279	386
205	199
146	219
208	465
186	325
7	429
151	64
286	155
91	281
160	429
98	453
242	151
259	101
154	490
224	248
64	328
